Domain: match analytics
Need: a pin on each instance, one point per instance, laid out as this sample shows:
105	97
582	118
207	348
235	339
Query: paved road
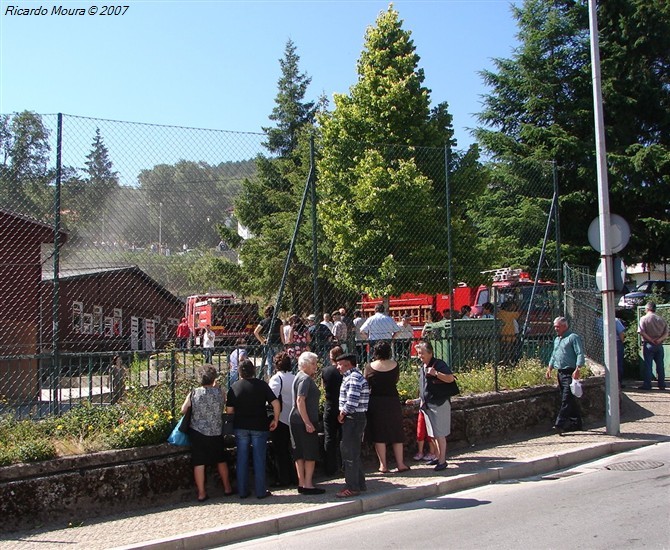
618	502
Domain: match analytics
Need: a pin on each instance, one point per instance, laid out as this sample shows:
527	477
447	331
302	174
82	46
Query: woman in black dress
384	411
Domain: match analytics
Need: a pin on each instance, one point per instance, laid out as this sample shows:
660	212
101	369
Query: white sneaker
418	456
429	457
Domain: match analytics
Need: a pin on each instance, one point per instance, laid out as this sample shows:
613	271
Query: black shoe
644	388
440	467
558	430
266	495
313	491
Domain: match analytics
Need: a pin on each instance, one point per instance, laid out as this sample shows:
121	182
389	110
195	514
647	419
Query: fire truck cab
514	286
229	317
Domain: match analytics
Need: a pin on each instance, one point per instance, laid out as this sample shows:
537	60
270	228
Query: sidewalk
645	420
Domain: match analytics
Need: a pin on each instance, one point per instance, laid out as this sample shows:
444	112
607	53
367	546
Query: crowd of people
361	403
359	377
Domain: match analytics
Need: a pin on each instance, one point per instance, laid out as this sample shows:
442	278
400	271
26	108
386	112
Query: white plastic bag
576	388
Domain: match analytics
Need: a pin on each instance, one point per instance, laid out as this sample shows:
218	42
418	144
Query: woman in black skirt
206	430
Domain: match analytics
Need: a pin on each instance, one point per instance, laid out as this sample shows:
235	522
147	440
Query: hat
311	317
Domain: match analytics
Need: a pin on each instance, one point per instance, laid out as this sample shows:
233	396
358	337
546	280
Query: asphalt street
618	502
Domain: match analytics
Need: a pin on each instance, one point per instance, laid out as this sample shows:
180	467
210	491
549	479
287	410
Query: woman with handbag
206	430
435	387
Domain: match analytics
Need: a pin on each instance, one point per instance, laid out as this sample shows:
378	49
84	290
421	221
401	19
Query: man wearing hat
354	399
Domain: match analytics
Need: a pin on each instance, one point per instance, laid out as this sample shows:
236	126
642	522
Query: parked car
641	294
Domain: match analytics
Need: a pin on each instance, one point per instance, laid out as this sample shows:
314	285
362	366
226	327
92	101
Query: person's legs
300	471
648	356
309	466
331	428
398	453
441	442
568	415
222	468
281	447
620	360
199	476
380	449
352	437
242	441
659	358
259	447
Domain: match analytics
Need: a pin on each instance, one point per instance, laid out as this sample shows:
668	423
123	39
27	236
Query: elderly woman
435	404
247	400
206	430
281	385
384	410
303	420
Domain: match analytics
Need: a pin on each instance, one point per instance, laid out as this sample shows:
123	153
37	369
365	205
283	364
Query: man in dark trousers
332	380
354	400
567	358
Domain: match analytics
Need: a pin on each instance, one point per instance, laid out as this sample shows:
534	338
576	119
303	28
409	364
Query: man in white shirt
379	327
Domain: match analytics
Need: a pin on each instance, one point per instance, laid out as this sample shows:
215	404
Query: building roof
72	274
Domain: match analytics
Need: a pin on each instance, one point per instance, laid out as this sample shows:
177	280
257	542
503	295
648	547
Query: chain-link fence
114	232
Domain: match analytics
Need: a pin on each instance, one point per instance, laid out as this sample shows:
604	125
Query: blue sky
214	64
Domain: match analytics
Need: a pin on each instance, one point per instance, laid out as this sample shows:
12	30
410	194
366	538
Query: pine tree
291	112
268	203
99	168
540	109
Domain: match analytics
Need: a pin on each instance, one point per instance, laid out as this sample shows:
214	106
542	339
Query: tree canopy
540	110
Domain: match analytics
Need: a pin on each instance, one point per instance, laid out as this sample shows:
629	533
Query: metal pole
449	255
557	231
287	263
315	257
55	367
609	328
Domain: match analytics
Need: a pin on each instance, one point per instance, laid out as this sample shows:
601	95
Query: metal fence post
55	364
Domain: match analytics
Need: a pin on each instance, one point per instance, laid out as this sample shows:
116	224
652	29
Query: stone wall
73	489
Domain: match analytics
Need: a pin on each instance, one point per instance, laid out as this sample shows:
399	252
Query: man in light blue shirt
567	358
379	327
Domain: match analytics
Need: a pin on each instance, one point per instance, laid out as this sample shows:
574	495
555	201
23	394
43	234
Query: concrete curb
339	510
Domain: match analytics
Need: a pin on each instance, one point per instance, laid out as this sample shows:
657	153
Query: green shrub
35	450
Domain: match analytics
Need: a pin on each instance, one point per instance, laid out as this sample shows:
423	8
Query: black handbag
186	420
228	427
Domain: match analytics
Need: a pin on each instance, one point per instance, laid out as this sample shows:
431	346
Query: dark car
642	293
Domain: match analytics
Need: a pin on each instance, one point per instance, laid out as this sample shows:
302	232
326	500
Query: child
422	436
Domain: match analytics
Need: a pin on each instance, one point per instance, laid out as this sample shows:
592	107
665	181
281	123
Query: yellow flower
132	430
59	427
155	416
116	430
90	427
140	429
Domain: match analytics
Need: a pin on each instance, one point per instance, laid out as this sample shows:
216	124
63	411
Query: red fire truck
508	285
421	307
229	317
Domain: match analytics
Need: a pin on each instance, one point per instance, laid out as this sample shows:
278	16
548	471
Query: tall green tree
268	203
540	110
383	206
101	176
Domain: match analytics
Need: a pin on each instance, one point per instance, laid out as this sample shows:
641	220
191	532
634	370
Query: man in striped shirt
353	403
